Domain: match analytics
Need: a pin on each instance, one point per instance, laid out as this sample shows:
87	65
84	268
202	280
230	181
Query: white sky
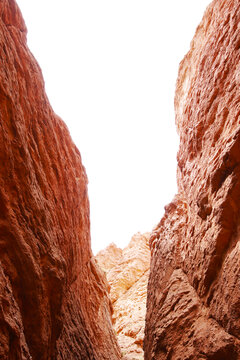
110	68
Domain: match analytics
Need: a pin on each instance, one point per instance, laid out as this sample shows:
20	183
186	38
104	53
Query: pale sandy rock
108	257
133	263
128	290
129	318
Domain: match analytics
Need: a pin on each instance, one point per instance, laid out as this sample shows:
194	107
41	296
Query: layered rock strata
127	274
53	297
193	305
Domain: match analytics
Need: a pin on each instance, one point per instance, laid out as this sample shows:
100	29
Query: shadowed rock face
193	306
53	297
127	272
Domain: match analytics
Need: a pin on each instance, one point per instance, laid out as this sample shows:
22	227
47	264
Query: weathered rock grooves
53	297
193	305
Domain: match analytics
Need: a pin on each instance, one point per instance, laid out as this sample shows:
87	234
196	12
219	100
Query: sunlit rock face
193	305
53	297
127	272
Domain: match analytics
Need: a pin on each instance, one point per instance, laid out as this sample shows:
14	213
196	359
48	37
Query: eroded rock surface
193	306
127	272
53	297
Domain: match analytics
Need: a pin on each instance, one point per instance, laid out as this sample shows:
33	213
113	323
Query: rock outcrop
53	297
193	305
127	274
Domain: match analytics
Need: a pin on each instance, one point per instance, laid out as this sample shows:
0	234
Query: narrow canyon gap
53	297
193	304
54	301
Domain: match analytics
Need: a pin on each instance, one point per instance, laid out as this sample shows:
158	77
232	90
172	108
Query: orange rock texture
128	275
53	297
193	305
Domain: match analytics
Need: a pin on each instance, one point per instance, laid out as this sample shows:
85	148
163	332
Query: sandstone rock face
53	297
193	305
128	276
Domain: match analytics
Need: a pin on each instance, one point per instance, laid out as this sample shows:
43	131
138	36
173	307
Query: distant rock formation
53	297
127	272
193	305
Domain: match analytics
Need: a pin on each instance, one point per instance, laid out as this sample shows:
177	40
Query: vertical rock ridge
53	298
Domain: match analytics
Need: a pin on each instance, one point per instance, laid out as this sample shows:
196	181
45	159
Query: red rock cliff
53	297
193	306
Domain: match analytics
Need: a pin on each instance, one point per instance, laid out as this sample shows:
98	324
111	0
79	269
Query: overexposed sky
110	68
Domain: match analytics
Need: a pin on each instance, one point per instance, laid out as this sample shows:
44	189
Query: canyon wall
53	297
193	305
127	272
